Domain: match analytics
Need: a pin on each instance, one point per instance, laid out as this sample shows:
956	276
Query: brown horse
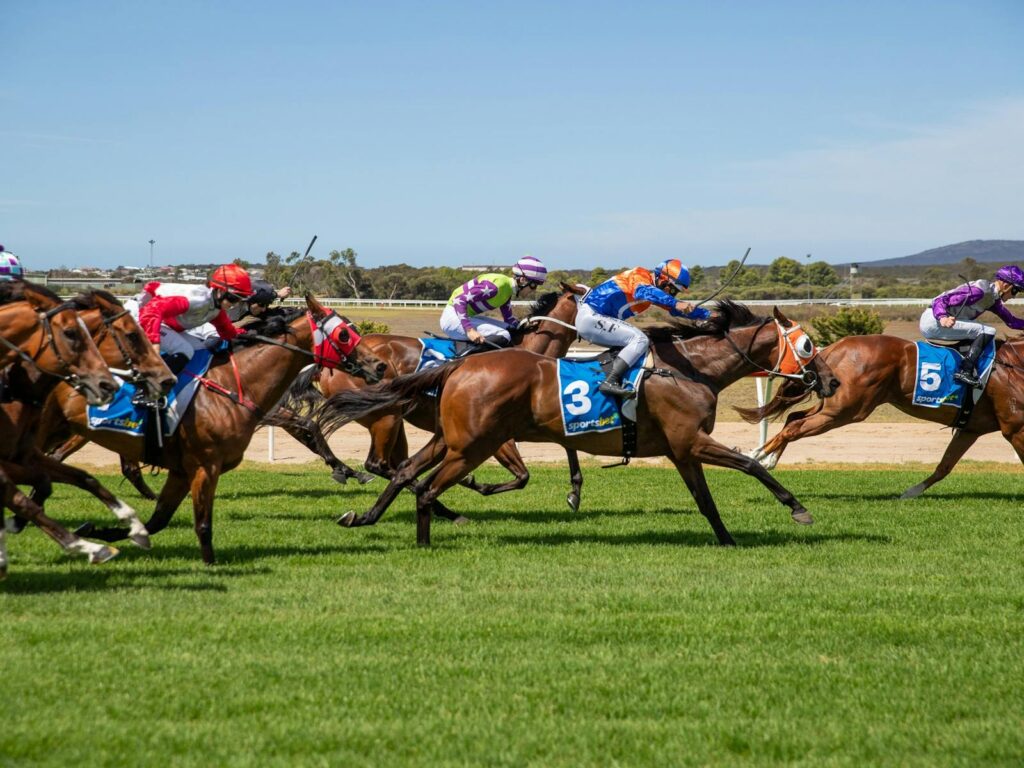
550	332
216	429
882	369
48	340
125	348
515	395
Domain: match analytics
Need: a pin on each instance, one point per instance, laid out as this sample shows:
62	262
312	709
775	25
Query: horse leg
64	473
97	553
958	446
204	488
575	478
306	432
510	458
3	532
131	472
167	503
428	456
68	447
454	466
693	475
709	451
388	446
797	426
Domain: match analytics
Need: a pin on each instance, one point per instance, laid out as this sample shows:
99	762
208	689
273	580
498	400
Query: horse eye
805	347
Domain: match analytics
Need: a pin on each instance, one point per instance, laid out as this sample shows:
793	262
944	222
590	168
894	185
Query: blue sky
596	133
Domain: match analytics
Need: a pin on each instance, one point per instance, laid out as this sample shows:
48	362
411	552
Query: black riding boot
612	384
176	362
966	374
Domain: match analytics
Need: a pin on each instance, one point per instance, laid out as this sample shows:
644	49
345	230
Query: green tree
848	321
598	275
821	273
786	271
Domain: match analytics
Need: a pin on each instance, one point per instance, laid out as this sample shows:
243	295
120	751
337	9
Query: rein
49	341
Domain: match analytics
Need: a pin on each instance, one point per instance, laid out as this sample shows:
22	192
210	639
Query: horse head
131	347
558	308
67	350
798	357
336	344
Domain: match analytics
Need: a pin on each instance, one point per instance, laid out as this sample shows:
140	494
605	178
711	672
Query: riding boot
176	362
966	374
612	384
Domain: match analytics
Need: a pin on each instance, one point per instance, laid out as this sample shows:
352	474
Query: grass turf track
889	633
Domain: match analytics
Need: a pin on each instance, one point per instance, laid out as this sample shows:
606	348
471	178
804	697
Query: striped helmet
672	272
531	268
10	267
1011	274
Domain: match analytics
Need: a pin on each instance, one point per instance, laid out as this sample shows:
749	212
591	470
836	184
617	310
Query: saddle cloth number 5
930	378
578	403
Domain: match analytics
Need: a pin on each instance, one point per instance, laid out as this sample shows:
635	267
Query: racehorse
550	332
515	395
47	337
216	429
881	369
124	347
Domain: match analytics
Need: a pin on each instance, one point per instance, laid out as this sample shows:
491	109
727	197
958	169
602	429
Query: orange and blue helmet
672	272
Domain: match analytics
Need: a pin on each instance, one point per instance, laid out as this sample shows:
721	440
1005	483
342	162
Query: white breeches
486	326
961	329
609	332
174	342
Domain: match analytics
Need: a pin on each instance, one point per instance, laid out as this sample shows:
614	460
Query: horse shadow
33	581
744	539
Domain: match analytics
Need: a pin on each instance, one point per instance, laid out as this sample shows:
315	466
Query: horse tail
402	393
790	394
302	397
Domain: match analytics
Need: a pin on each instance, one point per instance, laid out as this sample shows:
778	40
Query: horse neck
721	363
19	324
552	339
109	351
267	371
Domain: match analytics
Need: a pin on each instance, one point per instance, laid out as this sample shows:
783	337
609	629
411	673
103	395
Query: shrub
372	326
848	321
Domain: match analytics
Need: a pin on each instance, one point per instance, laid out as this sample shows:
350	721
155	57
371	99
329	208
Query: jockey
604	309
254	308
168	310
951	316
488	291
10	266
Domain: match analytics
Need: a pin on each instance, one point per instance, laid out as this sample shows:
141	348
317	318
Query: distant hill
982	251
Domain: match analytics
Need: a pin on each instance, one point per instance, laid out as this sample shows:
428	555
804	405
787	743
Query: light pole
853	274
807	277
151	244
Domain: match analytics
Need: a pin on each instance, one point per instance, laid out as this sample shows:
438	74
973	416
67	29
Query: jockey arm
225	328
1007	316
479	293
161	310
958	297
658	297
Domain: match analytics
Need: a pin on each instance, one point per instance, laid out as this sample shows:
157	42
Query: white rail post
270	444
764	394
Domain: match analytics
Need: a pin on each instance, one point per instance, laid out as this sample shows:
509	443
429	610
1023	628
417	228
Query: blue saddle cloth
584	408
122	415
435	352
935	368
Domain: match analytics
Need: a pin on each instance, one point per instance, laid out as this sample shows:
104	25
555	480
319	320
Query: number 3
577	391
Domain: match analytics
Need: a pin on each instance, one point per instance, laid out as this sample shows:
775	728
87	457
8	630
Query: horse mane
87	299
728	316
271	325
14	290
543	304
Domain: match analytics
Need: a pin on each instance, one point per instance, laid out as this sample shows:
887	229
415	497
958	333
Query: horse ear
313	305
781	317
576	289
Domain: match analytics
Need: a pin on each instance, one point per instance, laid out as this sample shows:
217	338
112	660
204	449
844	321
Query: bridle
796	368
49	340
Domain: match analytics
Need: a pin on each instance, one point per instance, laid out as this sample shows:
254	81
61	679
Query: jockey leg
176	348
600	329
968	373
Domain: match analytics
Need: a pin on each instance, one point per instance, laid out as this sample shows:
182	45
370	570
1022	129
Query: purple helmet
10	268
1011	274
531	268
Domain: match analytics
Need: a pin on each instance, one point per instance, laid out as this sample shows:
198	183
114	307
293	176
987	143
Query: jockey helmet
672	272
232	279
263	293
1011	274
10	267
531	268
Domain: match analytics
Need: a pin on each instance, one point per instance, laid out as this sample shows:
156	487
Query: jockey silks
180	307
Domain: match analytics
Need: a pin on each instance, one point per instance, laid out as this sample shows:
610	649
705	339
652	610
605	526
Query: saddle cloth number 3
578	403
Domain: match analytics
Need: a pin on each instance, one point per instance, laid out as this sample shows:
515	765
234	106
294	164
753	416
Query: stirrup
966	377
616	390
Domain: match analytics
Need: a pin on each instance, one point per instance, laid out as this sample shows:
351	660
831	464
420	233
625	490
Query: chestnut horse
124	348
46	337
515	395
549	332
216	429
883	369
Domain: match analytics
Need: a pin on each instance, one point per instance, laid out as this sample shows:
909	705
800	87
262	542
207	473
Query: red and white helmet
531	268
233	279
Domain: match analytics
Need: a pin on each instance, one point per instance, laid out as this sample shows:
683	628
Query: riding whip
303	261
727	281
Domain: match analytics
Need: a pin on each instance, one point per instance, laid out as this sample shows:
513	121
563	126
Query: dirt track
870	443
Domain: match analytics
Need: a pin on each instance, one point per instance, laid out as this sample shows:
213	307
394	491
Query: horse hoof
339	476
803	517
141	540
913	493
573	501
363	478
103	554
460	520
85	529
347	520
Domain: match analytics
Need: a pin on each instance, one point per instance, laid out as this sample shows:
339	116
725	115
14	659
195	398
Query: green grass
888	633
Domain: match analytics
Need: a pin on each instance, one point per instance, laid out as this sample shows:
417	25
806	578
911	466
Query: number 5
930	378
